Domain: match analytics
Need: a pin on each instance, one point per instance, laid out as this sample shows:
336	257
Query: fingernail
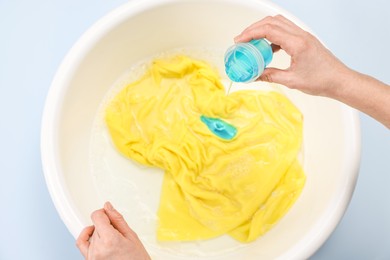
237	38
108	206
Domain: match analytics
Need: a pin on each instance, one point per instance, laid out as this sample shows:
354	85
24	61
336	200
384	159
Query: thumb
277	76
117	220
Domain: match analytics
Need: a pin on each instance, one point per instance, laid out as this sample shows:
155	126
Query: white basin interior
141	29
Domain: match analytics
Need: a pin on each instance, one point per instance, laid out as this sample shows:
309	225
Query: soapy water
135	189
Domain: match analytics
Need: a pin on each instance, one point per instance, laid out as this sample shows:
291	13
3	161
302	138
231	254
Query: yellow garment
211	186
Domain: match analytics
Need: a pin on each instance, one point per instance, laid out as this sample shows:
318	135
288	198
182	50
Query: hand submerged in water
110	238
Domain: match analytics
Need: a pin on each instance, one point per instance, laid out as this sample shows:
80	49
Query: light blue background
36	35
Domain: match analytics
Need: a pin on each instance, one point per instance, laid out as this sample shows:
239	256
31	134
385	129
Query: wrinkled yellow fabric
211	186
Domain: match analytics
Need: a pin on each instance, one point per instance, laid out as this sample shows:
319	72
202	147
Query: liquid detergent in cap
245	62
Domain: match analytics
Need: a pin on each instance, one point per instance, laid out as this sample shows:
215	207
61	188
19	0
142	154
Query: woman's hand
110	237
313	69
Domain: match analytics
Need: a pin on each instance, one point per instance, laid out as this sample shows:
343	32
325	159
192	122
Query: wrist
343	83
363	93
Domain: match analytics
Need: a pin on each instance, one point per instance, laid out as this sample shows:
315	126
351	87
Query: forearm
364	93
316	71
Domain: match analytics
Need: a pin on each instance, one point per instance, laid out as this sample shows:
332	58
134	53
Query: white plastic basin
140	29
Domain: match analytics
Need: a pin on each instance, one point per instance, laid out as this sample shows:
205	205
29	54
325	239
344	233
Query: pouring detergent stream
244	62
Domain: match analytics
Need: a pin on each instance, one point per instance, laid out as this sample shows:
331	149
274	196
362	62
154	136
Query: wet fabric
211	186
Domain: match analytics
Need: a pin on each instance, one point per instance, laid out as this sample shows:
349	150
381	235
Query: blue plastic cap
245	62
